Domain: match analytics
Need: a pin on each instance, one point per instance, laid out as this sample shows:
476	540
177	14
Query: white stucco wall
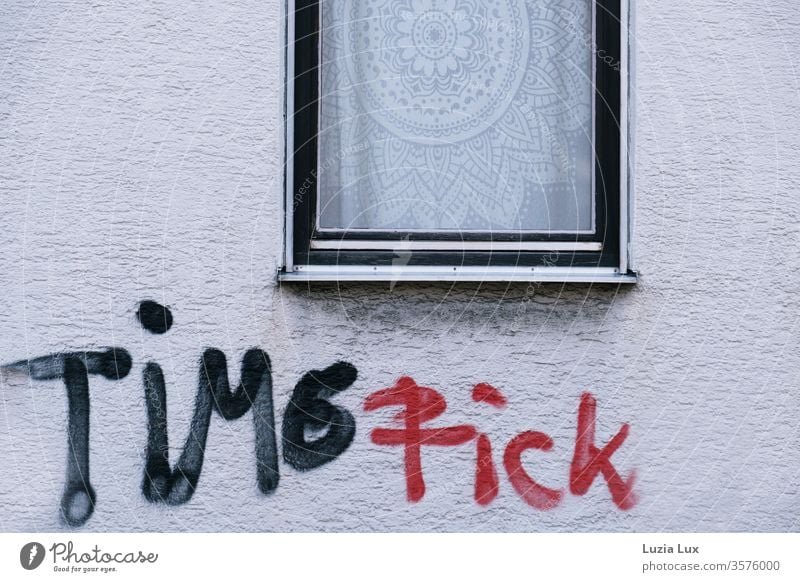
140	158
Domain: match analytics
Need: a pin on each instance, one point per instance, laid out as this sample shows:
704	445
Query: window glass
456	115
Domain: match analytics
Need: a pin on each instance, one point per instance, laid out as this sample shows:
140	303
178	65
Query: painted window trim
306	260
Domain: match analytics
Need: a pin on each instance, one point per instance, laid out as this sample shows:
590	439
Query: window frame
430	256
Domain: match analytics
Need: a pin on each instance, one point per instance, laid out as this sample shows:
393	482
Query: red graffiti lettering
489	394
486	482
421	404
588	460
533	493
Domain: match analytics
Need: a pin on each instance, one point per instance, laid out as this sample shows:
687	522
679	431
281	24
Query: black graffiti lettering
315	431
309	410
161	484
113	364
154	317
78	499
77	502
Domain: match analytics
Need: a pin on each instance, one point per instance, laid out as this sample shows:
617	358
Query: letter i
487	484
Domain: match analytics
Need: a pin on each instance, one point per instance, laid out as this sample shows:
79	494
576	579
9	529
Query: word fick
309	412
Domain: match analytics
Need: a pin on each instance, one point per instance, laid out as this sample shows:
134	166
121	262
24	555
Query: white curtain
456	115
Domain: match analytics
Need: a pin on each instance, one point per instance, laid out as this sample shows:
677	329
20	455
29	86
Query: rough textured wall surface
140	158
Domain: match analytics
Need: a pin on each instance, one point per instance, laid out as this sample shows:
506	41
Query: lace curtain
456	115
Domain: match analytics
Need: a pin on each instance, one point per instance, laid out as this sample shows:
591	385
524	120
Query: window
457	140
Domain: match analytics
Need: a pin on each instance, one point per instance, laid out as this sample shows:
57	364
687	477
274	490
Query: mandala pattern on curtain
456	115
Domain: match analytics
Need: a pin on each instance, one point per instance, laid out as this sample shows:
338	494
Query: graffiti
309	409
78	498
175	487
421	404
487	484
588	460
154	317
489	394
533	493
315	431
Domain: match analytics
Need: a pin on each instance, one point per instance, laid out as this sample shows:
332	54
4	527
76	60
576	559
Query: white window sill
307	273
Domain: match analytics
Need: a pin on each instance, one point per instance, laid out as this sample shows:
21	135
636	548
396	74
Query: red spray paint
588	460
421	404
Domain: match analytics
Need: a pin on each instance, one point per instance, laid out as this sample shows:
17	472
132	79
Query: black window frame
610	124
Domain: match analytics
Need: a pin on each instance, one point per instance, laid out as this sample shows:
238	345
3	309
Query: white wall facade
140	158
